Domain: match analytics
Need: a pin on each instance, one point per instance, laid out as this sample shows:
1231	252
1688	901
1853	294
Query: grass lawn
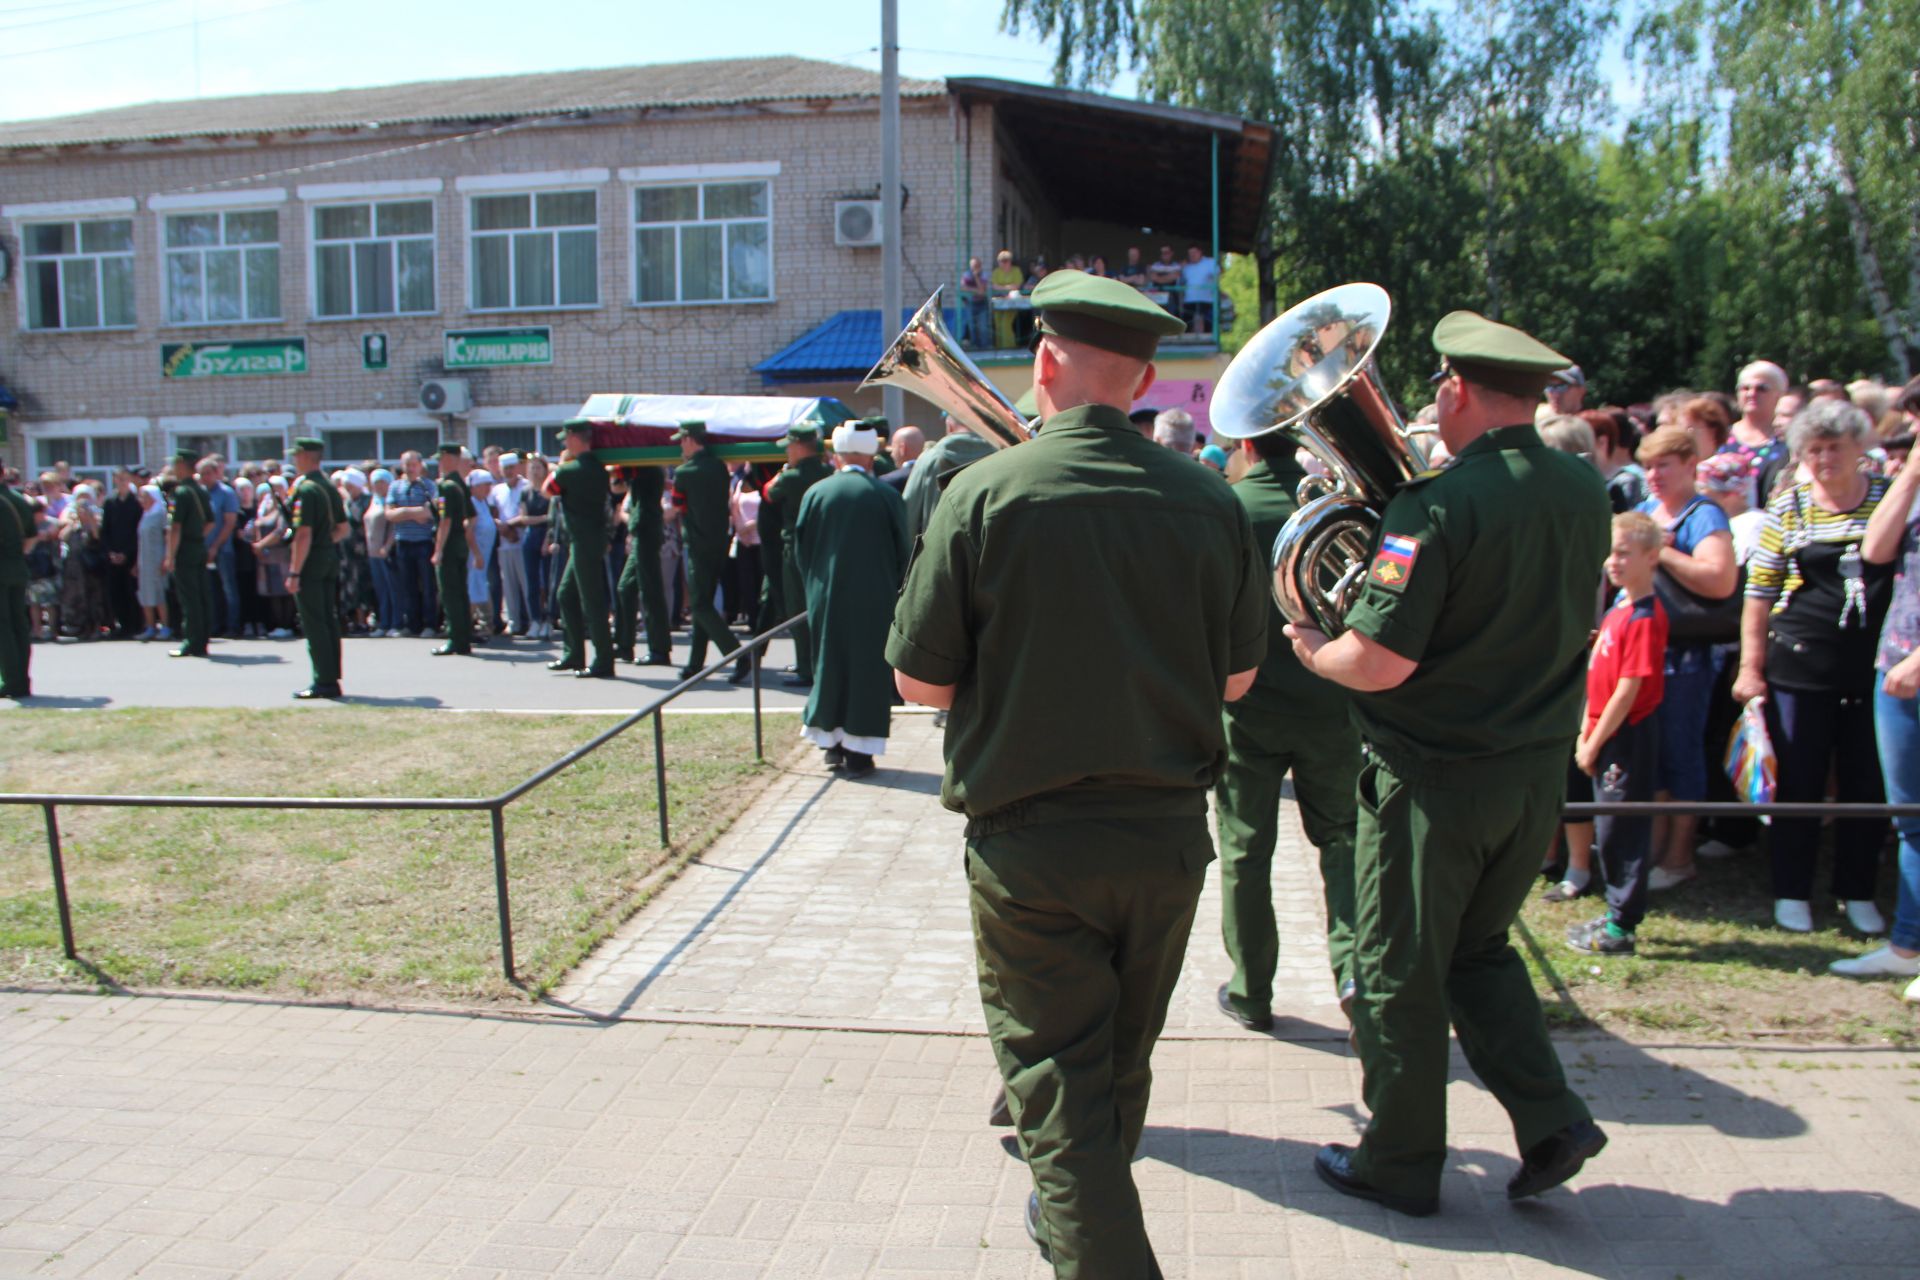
1711	963
396	905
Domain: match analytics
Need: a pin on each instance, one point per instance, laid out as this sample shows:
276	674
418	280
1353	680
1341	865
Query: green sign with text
262	357
486	348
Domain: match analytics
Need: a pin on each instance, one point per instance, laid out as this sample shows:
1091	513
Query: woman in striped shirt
1808	637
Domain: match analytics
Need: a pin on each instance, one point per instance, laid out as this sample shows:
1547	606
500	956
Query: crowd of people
1187	287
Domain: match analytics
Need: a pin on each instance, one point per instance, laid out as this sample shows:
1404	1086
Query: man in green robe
805	468
851	545
701	487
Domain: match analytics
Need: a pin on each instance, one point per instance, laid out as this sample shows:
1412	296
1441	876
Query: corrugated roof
717	82
844	346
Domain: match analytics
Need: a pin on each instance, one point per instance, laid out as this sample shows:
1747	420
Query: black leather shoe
834	757
1334	1164
688	673
1556	1158
1033	1225
561	664
858	765
658	660
1262	1023
446	650
623	655
319	691
594	673
742	673
798	681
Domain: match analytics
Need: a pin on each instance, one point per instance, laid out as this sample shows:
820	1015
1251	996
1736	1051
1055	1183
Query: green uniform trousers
451	578
773	594
583	606
1079	931
703	579
793	592
196	605
1440	872
642	587
1323	755
16	642
318	601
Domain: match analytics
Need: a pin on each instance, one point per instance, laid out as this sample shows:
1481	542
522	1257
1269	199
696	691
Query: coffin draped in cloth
637	430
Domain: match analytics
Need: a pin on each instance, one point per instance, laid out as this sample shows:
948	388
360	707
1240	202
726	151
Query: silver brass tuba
1311	374
926	360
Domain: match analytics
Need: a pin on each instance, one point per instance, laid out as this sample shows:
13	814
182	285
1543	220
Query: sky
63	56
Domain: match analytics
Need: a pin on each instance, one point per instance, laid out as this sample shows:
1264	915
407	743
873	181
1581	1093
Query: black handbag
1693	618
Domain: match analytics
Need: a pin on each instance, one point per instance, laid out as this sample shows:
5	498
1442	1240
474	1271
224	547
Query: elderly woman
1698	557
379	535
1756	434
1005	281
485	533
1808	641
83	567
356	578
150	587
272	556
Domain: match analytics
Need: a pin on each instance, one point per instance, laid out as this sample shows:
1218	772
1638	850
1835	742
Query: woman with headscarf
83	568
150	587
379	542
534	519
245	571
485	533
272	555
356	579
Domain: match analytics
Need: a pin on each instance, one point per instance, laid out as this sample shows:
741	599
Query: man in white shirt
506	502
1199	277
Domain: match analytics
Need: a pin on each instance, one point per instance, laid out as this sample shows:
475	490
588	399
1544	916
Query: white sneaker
1661	879
1717	849
1865	917
1879	963
1793	914
280	633
1912	994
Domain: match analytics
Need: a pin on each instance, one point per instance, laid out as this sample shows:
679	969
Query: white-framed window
350	446
534	250
92	455
547	439
703	242
260	444
78	273
374	258
222	266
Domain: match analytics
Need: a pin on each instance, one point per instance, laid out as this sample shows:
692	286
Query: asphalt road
504	675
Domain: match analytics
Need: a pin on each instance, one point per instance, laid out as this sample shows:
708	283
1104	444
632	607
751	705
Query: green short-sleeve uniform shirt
317	506
1483	575
190	514
701	482
584	491
644	487
789	487
1089	593
16	526
454	505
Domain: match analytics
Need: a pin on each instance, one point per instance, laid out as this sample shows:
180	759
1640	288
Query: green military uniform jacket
455	506
883	463
852	548
1284	687
191	512
949	453
584	493
788	489
701	484
317	506
16	526
1089	593
1469	581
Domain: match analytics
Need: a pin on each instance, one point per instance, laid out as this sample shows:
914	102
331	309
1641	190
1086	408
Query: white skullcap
355	477
479	478
509	459
851	438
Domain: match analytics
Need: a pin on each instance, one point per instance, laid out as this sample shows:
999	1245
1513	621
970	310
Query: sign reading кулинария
264	356
480	348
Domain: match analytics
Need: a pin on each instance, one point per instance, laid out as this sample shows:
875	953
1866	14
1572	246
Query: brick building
227	273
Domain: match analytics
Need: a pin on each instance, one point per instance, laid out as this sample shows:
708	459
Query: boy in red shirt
1620	738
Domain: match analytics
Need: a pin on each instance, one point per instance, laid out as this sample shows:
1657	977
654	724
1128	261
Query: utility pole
893	401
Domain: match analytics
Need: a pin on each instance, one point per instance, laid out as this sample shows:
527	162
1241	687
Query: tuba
926	360
1311	374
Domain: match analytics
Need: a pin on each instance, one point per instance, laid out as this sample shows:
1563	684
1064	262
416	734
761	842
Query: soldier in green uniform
319	521
19	524
1466	650
584	491
700	492
805	468
1084	603
454	548
642	588
1290	722
187	556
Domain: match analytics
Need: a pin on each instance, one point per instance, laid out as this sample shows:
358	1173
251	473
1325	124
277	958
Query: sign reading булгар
261	357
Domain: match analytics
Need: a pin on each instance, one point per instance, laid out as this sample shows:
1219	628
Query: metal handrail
494	806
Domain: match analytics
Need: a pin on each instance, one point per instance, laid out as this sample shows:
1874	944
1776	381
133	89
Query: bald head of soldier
1097	339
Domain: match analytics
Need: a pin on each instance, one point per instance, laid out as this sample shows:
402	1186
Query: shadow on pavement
1600	1230
245	659
916	781
62	702
418	700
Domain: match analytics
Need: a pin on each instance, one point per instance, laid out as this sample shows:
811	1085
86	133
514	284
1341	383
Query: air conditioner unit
445	395
856	224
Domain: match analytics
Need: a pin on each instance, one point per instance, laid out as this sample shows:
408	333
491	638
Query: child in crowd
1620	741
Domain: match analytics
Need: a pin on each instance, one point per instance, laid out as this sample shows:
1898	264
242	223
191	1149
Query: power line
78	17
150	31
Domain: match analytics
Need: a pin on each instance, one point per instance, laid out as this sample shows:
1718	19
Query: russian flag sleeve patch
1393	563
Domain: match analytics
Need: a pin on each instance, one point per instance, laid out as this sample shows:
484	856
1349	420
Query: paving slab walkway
188	1137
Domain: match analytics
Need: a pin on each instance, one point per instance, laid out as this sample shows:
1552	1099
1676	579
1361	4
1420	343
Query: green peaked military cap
877	425
189	456
309	444
1102	313
692	427
453	447
1498	355
804	433
577	426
